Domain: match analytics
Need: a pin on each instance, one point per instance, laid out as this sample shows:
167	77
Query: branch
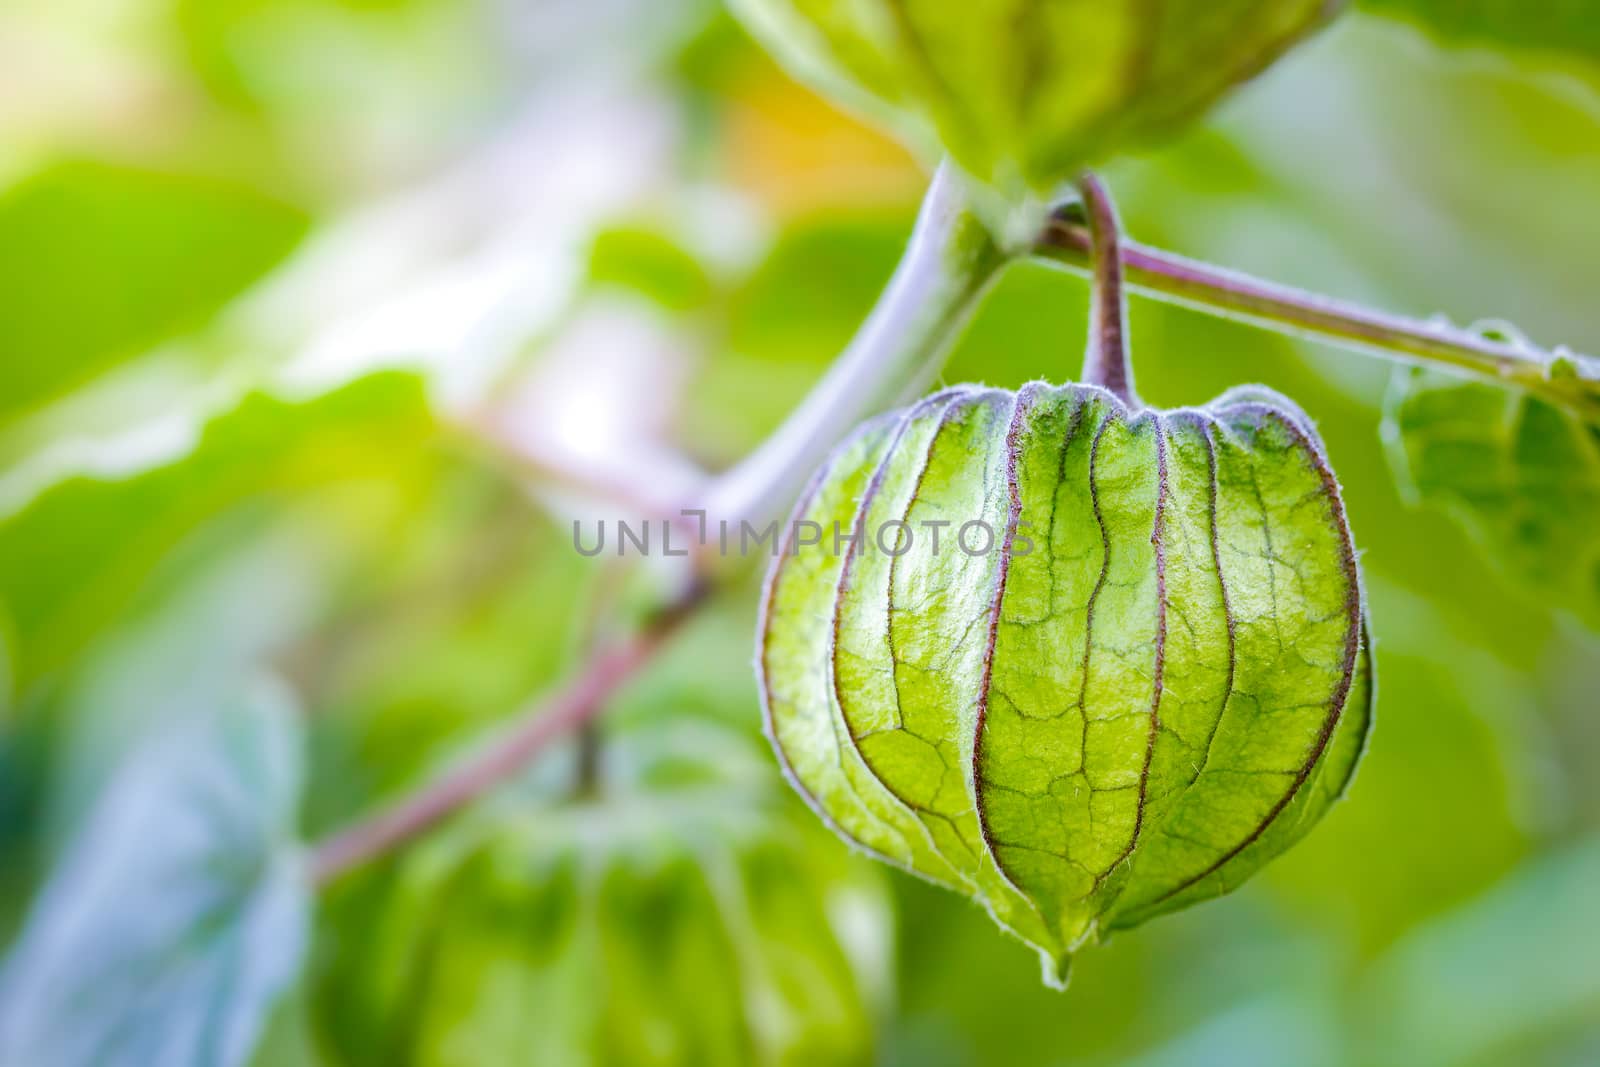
1572	381
575	704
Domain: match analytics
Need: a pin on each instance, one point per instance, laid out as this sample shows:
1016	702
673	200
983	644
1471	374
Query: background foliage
268	269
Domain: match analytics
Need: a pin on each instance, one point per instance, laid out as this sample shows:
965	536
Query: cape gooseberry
1024	94
1149	681
679	914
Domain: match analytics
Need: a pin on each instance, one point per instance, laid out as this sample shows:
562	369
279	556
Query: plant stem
1107	362
1572	381
572	706
897	353
894	357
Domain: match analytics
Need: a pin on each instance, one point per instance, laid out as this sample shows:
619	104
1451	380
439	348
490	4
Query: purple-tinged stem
1106	363
1566	379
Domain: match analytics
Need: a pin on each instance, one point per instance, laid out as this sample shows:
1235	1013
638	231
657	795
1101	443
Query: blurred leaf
683	913
787	322
701	679
1286	1026
812	291
178	918
486	607
76	555
6	688
104	260
212	30
649	261
184	648
1029	326
1430	822
979	1001
1570	27
289	1040
1474	986
1520	474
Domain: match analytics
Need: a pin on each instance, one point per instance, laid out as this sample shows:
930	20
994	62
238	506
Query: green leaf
79	553
682	913
1133	672
1557	27
216	35
104	260
177	919
648	260
1024	96
1520	474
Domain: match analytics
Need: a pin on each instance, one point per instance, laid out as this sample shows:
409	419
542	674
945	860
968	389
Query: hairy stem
898	352
1107	361
1572	381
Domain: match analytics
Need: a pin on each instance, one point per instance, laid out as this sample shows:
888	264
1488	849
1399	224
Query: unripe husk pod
1149	681
683	913
1024	94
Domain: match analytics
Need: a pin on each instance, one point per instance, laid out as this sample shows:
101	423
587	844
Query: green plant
1148	683
672	911
957	714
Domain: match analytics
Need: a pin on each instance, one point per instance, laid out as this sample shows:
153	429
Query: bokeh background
310	310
